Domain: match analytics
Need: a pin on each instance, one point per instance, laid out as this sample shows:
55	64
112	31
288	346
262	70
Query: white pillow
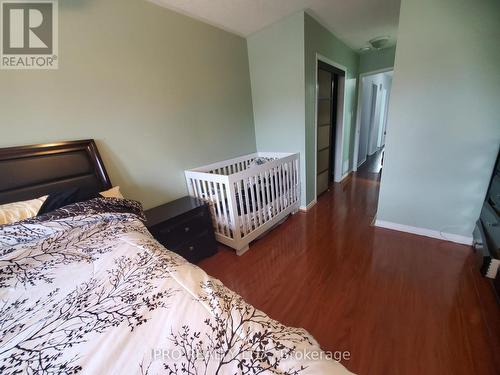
114	192
17	211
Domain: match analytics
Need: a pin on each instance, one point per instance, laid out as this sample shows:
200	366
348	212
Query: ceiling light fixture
379	42
365	49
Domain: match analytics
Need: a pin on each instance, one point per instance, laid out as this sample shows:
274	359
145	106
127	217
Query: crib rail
247	200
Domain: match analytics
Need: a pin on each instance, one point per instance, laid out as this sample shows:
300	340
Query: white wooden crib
247	198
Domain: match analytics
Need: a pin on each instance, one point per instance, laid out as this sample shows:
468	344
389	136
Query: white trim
339	132
357	131
361	163
344	176
309	206
425	232
339	136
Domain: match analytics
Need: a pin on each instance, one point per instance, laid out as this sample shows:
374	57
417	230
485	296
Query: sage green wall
377	60
283	75
276	56
318	40
444	117
160	92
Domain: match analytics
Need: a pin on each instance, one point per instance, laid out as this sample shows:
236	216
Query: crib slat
258	198
297	180
220	224
193	187
202	190
220	221
278	195
224	208
274	191
295	189
198	189
288	184
239	190
264	197
247	207
283	186
222	199
212	206
267	175
216	206
254	208
255	189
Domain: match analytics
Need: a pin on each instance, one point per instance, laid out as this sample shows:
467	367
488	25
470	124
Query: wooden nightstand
183	226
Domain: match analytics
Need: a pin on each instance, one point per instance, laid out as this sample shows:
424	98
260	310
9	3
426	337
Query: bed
86	289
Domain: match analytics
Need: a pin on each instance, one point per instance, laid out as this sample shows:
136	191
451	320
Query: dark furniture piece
29	172
184	226
487	231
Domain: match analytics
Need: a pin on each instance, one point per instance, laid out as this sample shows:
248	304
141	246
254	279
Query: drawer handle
191	248
186	229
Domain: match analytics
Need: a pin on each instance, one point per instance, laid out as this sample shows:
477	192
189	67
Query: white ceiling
353	21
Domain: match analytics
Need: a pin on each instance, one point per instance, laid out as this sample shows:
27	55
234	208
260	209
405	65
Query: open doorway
371	127
329	123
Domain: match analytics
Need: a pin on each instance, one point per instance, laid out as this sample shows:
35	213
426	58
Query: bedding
86	289
17	211
61	198
58	199
114	192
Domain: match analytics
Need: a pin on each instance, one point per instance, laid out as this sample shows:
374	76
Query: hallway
400	304
373	163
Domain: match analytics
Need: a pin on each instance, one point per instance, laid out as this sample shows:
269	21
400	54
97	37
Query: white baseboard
425	232
308	207
345	175
345	166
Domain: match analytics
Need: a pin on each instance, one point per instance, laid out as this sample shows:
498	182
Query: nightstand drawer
176	233
183	226
199	248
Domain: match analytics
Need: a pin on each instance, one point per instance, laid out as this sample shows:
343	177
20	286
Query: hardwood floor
399	303
372	164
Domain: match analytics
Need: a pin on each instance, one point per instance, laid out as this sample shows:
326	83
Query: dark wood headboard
28	172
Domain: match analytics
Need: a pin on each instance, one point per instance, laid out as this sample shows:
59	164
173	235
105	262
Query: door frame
375	97
339	128
355	155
